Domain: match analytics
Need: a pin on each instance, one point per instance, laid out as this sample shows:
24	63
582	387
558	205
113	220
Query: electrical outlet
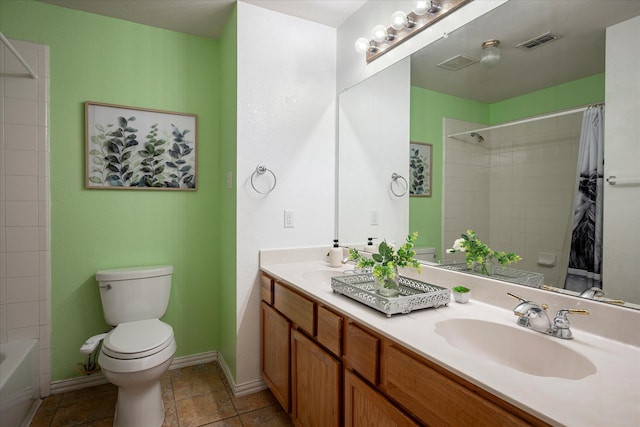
373	217
288	218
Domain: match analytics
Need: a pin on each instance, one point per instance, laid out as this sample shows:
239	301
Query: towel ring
261	170
394	178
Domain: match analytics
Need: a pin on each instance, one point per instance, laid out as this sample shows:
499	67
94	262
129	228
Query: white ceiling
578	53
207	17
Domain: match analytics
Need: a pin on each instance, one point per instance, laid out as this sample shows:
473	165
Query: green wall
429	108
227	200
109	60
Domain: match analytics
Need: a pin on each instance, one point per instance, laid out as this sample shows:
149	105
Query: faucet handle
516	297
561	326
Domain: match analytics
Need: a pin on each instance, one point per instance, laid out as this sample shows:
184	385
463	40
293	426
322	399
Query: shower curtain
585	257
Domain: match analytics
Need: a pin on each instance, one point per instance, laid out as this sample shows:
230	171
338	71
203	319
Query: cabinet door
365	407
276	349
316	384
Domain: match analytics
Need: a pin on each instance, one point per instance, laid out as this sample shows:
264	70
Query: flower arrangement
385	263
478	253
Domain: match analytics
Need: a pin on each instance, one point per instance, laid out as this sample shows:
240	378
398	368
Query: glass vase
485	268
389	286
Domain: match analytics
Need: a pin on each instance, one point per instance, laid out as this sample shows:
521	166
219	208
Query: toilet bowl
133	357
140	348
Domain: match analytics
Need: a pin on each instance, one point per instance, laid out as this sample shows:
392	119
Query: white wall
24	201
621	227
286	120
374	143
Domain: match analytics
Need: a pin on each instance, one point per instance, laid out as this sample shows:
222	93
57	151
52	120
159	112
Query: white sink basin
518	348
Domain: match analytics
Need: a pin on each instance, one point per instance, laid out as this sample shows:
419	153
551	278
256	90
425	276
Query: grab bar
614	180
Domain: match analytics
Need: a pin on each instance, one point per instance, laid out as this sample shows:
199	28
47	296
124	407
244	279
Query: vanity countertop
608	397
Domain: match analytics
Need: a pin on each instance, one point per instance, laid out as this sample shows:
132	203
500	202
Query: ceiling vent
458	62
538	41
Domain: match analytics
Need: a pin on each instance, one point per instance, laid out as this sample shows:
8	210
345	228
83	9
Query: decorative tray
501	273
414	295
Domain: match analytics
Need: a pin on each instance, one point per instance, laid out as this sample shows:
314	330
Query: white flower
451	251
457	245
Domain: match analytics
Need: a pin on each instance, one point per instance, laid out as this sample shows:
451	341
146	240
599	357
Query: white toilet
140	348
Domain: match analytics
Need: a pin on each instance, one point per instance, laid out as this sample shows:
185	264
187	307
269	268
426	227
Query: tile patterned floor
193	396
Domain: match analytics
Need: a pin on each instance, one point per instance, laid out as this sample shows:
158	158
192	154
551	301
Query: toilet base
139	406
139	396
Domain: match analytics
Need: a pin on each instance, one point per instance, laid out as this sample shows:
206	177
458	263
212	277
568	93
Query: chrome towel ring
261	170
394	178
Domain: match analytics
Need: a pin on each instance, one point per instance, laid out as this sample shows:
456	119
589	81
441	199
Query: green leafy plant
384	263
461	289
119	146
152	155
99	152
419	171
477	252
183	172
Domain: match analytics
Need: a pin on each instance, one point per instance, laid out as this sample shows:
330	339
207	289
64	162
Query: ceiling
206	18
578	53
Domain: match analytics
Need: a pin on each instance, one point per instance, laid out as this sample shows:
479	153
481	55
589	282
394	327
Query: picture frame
420	169
131	148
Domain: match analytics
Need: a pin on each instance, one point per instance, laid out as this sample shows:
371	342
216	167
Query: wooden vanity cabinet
366	407
276	348
315	384
327	370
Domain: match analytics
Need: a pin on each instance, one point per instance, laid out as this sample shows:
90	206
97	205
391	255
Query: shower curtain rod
17	55
519	122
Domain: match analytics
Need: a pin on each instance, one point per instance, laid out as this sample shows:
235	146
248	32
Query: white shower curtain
585	258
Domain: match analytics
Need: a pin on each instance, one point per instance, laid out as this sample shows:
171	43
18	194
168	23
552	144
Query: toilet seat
139	339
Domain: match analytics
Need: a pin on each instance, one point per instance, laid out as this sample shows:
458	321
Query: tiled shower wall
24	201
515	189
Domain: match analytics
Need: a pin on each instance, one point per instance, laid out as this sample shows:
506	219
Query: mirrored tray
414	294
506	274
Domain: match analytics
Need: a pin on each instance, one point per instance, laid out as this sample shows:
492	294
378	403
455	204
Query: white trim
240	389
19	57
98	378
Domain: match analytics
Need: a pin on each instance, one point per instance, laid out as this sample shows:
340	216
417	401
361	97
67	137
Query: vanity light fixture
403	26
490	53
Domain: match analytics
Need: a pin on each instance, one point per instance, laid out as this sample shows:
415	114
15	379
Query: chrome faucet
534	316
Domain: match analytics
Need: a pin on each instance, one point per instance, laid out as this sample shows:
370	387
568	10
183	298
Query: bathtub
19	379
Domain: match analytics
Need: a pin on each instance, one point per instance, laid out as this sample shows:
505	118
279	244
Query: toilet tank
131	294
425	254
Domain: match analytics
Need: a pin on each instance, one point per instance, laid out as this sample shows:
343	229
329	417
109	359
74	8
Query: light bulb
362	45
399	20
379	33
420	7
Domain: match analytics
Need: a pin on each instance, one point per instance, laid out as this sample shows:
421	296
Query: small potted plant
461	294
385	263
480	256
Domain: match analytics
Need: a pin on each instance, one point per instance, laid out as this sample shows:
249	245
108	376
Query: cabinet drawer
295	307
436	399
266	289
362	351
330	330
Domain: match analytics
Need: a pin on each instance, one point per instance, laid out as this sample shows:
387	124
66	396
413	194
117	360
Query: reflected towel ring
394	178
261	170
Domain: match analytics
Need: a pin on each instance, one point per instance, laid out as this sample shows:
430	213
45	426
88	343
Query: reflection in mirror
564	74
374	130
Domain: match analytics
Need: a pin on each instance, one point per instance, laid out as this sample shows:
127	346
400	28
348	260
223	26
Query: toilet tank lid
133	273
424	250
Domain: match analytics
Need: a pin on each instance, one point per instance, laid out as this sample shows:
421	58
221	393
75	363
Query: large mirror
561	75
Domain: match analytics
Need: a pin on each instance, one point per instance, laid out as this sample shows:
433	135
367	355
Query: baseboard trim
98	378
240	389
